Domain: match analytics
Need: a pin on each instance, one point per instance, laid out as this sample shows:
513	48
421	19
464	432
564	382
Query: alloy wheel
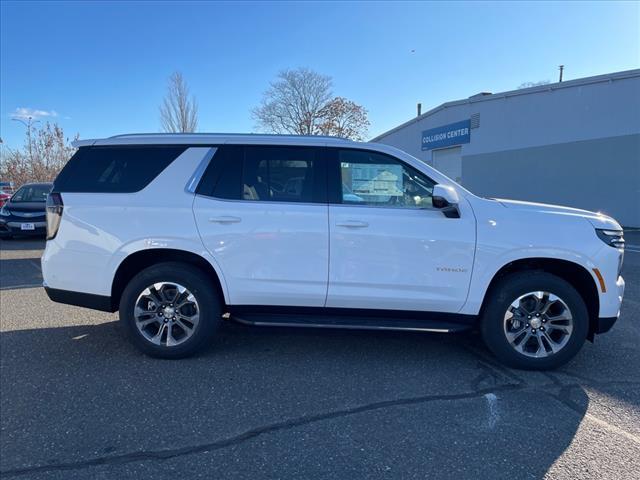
166	314
538	324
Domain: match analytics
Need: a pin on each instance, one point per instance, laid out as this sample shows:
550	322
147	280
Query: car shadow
20	273
430	403
22	243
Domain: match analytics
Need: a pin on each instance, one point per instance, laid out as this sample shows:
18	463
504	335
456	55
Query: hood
598	220
30	207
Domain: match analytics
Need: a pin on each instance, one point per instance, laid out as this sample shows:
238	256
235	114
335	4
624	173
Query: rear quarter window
115	169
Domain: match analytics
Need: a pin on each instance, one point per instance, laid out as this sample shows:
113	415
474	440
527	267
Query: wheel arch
141	259
573	273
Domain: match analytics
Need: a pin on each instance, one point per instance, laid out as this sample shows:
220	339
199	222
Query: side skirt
347	318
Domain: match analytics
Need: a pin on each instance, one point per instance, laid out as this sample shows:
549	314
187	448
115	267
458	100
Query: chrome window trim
269	202
193	182
324	204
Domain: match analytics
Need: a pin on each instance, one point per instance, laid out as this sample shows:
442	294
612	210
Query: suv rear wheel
534	321
170	310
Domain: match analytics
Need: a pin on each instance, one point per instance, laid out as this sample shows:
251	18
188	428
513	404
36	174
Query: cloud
24	113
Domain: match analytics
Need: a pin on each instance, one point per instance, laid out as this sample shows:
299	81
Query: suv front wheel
534	321
170	310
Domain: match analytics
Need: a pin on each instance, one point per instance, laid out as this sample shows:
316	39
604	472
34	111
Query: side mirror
446	199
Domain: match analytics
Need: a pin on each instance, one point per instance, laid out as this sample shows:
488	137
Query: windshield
31	193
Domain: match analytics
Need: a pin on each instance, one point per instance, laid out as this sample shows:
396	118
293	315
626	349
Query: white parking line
15	287
492	404
628	435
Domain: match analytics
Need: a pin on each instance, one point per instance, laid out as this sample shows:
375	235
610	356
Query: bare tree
293	102
179	110
45	152
344	118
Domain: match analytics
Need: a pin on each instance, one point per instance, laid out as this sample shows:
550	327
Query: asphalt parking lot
77	401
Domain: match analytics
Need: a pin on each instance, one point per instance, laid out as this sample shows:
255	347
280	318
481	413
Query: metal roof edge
83	143
513	93
208	138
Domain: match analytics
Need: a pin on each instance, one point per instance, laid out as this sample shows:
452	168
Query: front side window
375	179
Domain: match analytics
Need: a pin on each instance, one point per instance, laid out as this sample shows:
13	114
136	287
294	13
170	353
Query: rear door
262	213
390	249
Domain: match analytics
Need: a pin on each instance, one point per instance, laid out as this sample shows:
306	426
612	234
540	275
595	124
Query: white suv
180	231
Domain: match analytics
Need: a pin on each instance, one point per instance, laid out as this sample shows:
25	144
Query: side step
419	322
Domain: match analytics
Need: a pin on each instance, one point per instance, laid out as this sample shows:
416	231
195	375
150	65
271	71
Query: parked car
7	187
4	197
176	231
25	212
6	190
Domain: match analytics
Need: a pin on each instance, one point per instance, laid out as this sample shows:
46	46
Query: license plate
27	226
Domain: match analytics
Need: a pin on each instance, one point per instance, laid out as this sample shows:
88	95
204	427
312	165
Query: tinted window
31	193
370	178
115	169
262	173
224	176
279	174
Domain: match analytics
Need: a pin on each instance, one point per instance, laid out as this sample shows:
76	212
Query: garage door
449	162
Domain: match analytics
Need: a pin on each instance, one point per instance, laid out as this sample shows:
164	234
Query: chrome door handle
225	219
352	224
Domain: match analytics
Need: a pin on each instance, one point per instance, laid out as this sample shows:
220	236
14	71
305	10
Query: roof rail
205	134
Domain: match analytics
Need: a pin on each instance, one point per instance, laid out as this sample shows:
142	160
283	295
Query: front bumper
14	227
604	324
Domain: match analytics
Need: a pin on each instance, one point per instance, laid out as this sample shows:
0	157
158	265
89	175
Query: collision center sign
447	135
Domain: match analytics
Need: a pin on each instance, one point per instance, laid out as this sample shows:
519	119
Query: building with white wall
574	143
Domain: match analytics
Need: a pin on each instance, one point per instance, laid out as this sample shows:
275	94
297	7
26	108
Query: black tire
510	288
202	288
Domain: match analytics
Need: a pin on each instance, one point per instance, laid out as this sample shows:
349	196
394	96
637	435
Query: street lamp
29	123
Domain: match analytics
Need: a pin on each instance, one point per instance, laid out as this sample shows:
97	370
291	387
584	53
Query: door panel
269	253
402	259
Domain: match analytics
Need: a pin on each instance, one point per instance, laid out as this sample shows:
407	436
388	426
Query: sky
101	68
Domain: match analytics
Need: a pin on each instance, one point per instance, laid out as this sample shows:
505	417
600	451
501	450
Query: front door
262	215
389	248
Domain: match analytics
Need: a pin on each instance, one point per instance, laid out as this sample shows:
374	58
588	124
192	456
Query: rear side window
267	174
115	169
275	174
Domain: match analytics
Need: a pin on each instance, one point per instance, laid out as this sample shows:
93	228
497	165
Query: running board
357	322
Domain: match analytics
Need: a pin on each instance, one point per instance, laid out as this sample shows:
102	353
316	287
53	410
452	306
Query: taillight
54	214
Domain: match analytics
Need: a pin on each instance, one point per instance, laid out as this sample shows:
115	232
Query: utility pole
29	123
561	67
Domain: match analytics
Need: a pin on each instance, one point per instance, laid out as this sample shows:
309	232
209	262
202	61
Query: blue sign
447	135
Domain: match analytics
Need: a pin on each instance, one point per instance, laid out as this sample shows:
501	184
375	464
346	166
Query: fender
192	246
485	270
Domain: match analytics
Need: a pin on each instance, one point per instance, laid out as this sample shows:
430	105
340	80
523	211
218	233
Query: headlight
613	238
4	212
